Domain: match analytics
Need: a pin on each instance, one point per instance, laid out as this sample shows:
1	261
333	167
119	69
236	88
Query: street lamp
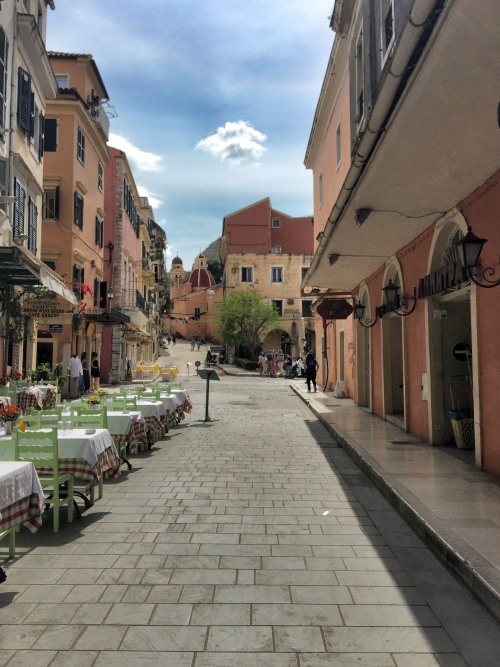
359	312
398	305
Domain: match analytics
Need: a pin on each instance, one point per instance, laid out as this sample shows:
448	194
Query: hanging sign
446	277
334	309
42	308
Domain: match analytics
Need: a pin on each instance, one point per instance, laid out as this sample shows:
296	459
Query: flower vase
8	427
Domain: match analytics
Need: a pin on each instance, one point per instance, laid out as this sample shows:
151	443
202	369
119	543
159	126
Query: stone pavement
253	541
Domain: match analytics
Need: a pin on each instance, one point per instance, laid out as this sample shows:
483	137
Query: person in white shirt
75	370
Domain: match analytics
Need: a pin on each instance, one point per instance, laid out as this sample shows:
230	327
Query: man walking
75	370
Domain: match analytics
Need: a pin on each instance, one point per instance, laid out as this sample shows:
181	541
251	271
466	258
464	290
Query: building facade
270	252
27	84
76	132
408	190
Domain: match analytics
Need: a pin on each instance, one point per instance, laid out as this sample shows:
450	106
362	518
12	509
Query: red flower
9	413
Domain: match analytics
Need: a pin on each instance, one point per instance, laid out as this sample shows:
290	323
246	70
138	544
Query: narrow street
249	541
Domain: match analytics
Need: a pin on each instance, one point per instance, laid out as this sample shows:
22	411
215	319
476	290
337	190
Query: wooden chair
91	418
41	448
11	534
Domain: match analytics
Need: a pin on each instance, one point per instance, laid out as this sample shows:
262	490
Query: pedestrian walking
86	373
198	343
174	339
95	371
262	363
75	370
312	367
269	363
193	343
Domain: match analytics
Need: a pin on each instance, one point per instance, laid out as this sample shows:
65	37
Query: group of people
171	338
274	364
82	378
196	343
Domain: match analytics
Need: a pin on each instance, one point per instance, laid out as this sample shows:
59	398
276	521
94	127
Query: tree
243	317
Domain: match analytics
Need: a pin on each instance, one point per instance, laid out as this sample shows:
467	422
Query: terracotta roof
177	260
201	278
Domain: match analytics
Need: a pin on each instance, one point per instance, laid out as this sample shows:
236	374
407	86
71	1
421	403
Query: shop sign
446	277
42	308
334	309
55	328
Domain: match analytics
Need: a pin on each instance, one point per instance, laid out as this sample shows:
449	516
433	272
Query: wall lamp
333	259
469	250
394	304
359	312
397	304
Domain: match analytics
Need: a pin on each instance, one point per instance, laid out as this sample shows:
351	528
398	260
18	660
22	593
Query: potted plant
9	414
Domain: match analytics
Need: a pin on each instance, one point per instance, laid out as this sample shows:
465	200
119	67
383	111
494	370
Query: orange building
76	131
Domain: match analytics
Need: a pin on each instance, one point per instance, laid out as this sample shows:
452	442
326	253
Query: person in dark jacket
312	367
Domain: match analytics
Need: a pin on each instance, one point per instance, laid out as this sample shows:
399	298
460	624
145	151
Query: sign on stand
208	374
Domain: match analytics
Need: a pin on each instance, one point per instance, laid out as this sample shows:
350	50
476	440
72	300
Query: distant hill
212	251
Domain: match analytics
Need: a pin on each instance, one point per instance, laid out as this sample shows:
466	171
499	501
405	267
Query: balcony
101	118
140	302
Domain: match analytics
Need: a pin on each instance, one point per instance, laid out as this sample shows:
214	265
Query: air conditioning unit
340	391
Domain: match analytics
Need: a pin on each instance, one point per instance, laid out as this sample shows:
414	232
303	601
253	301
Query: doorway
393	369
363	366
44	349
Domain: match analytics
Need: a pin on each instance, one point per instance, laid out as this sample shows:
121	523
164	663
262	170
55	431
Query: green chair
41	448
11	534
131	403
91	418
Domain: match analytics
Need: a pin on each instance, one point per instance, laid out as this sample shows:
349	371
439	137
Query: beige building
270	252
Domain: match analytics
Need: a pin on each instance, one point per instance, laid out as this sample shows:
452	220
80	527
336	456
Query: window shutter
3	174
56	203
19	208
103	294
96	292
75	208
23	99
50	138
32	115
41	135
32	225
4	55
98	232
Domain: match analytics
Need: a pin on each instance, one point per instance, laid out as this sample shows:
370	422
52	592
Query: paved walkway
251	541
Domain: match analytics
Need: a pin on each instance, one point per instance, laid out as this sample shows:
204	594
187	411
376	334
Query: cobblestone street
249	541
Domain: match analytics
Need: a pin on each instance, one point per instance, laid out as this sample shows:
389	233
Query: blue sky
214	100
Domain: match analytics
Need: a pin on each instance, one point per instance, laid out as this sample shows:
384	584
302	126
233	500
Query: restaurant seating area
54	454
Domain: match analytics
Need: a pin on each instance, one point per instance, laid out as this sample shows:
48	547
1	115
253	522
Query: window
25	100
51	203
40	140
50	135
320	189
78	280
303	272
339	146
32	225
360	79
4	68
247	274
51	264
276	250
306	309
99	227
276	274
81	146
18	226
62	81
276	223
386	27
197	313
78	210
277	304
100	176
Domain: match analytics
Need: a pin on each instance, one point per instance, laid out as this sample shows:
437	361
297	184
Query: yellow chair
41	448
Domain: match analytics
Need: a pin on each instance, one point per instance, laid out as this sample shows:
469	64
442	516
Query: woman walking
95	371
311	370
86	373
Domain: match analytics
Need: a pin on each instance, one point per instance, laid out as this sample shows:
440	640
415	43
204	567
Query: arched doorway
449	331
277	340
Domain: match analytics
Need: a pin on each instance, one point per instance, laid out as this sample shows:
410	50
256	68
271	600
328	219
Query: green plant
42	373
246	364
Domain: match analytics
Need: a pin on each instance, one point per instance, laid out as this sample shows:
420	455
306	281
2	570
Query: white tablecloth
18	480
181	393
119	421
170	401
81	445
151	408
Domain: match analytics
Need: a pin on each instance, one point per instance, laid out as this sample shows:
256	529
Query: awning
19	266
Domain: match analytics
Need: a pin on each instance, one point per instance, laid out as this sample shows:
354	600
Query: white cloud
141	160
236	141
154	201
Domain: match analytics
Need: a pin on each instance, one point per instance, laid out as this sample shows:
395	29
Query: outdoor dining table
129	427
40	396
85	453
21	496
153	411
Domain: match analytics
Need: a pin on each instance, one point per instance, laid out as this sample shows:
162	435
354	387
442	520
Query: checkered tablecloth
154	424
26	511
135	438
107	461
50	398
29	398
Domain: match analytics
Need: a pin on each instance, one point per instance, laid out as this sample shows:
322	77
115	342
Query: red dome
201	278
177	260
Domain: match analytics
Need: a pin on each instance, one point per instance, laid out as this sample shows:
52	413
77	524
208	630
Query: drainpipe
415	27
